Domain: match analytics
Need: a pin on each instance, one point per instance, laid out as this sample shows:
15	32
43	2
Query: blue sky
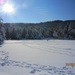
32	11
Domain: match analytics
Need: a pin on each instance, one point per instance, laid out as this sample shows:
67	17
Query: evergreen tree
24	33
7	34
2	35
18	34
13	34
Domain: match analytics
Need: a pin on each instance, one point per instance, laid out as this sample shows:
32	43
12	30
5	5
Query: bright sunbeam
8	8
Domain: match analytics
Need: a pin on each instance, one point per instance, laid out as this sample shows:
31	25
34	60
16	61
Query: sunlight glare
1	1
8	8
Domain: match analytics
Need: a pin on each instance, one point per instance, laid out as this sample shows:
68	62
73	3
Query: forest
45	30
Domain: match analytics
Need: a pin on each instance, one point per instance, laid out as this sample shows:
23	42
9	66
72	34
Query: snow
37	57
1	73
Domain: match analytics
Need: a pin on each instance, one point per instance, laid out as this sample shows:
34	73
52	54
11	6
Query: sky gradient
33	11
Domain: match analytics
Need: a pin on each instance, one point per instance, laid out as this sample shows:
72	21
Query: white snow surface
37	57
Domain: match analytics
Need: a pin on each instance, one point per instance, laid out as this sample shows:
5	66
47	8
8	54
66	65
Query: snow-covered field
37	57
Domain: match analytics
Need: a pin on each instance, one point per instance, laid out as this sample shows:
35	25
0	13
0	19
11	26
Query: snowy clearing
37	57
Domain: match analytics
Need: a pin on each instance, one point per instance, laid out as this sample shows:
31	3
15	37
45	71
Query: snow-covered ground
37	57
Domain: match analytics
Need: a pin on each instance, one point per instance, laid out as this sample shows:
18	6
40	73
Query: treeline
26	32
2	32
53	29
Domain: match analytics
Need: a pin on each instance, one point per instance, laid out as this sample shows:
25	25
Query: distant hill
51	29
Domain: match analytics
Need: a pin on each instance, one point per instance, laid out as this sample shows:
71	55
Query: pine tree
7	34
2	35
13	34
24	33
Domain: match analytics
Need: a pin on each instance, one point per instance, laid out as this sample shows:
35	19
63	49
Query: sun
8	8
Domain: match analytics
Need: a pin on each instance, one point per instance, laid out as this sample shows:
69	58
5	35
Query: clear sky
30	11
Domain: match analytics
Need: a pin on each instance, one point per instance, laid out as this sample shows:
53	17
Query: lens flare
1	1
8	8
